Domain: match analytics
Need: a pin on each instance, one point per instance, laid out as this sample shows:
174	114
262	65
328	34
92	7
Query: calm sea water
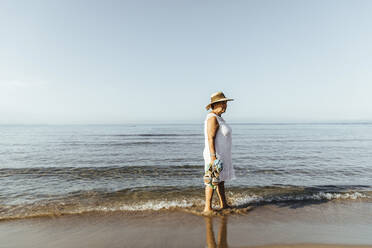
73	169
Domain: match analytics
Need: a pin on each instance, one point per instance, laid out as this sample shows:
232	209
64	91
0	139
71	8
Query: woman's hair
213	105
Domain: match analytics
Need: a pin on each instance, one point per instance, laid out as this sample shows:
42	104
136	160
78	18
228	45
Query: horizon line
197	123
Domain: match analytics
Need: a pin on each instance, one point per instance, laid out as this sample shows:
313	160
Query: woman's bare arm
212	127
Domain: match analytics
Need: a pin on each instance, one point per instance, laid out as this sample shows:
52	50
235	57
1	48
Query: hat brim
221	100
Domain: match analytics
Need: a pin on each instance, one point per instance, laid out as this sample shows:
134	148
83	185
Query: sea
48	170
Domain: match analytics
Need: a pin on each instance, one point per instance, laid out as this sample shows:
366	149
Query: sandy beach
332	224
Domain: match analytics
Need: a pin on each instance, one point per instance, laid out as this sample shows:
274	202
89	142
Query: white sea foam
237	199
247	199
151	205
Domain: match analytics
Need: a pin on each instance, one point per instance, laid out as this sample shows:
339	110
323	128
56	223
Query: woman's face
220	107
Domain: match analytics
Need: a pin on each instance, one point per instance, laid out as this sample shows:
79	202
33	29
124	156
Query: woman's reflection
222	234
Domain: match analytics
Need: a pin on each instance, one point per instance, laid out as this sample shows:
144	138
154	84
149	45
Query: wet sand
310	246
331	224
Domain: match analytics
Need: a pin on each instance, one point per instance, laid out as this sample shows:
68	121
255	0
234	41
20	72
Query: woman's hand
213	158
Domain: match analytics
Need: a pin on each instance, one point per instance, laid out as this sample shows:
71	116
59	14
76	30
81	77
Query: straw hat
218	97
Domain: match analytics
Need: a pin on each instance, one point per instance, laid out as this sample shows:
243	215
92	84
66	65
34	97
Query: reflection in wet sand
222	233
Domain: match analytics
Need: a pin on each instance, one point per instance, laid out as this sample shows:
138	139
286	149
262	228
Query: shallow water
53	169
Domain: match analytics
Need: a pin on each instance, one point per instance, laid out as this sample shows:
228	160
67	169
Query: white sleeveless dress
222	145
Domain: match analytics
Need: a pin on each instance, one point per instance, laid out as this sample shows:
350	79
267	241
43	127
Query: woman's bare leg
221	195
208	198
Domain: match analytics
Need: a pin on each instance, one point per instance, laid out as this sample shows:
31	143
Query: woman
217	135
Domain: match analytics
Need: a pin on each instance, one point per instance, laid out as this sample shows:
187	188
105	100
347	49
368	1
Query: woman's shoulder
208	117
210	114
213	117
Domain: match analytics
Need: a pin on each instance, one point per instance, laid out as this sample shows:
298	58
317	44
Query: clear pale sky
101	62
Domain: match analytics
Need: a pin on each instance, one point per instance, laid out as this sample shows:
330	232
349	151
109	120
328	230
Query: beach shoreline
330	224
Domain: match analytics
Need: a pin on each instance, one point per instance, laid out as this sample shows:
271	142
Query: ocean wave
249	199
188	171
176	198
103	171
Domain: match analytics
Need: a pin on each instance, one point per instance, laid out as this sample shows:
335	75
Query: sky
119	62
